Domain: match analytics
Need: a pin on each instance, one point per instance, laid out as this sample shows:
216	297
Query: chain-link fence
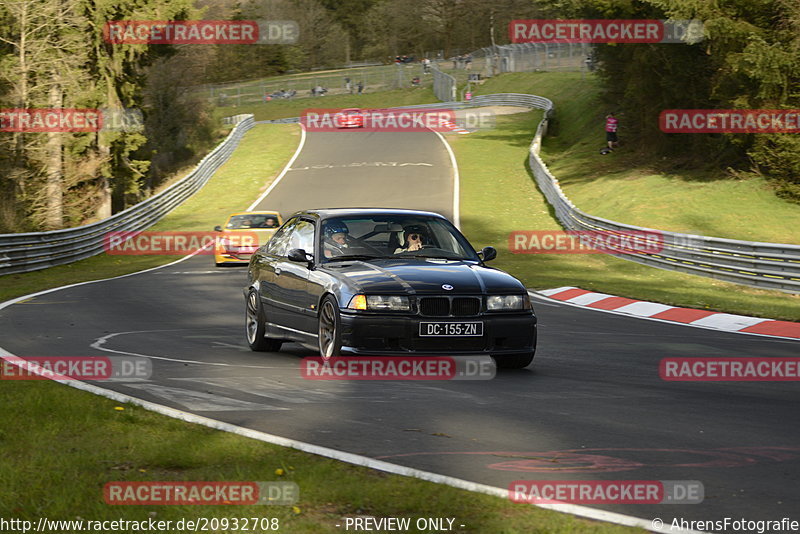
444	85
527	57
309	85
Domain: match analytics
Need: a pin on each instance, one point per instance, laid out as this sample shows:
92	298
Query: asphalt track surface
351	168
591	407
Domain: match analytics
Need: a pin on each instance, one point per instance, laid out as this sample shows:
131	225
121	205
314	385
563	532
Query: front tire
330	328
255	326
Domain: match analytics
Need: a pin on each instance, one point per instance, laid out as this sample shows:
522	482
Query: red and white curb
450	125
688	316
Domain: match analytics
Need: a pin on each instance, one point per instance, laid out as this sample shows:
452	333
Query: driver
413	238
334	241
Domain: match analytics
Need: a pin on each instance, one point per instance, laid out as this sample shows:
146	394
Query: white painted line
252	206
588	298
100	341
644	309
356	459
456	182
726	321
46	291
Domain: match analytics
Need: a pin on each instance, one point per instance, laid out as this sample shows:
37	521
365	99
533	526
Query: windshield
240	222
393	236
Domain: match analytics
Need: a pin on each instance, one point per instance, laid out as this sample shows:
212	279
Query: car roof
255	213
327	213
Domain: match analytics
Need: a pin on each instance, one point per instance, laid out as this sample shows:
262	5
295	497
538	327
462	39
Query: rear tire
514	361
330	328
255	326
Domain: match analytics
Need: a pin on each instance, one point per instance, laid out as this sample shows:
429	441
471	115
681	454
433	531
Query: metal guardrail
32	251
757	264
765	265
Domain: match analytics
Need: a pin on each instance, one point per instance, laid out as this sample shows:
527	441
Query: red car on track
349	118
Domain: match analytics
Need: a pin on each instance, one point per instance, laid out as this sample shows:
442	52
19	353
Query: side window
303	236
278	245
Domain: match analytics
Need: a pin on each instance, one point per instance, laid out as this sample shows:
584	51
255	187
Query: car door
266	269
291	281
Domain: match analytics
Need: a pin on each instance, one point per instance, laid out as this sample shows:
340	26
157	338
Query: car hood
263	235
423	277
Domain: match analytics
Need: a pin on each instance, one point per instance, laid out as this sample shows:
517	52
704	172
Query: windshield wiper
434	257
347	257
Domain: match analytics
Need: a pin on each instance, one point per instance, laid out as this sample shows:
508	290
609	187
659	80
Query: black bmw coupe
385	282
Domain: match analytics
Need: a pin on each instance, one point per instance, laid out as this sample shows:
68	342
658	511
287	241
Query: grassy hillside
634	188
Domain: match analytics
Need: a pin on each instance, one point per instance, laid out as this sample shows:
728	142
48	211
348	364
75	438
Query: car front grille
435	306
466	306
449	306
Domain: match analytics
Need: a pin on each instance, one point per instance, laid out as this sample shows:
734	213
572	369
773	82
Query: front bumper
232	257
390	335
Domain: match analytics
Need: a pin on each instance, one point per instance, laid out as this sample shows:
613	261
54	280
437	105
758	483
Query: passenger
413	237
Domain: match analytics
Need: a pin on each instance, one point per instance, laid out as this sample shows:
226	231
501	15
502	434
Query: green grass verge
260	156
60	446
629	188
499	195
278	109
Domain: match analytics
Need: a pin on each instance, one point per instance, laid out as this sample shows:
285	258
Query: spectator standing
611	131
360	87
426	66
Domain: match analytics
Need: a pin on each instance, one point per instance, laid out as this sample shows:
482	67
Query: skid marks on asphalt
198	401
326	392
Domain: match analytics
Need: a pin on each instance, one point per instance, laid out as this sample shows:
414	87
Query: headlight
508	302
379	302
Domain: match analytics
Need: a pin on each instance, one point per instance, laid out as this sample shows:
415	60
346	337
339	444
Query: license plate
470	329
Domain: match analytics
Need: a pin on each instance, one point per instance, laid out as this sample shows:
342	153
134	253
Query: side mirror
300	256
217	228
488	253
